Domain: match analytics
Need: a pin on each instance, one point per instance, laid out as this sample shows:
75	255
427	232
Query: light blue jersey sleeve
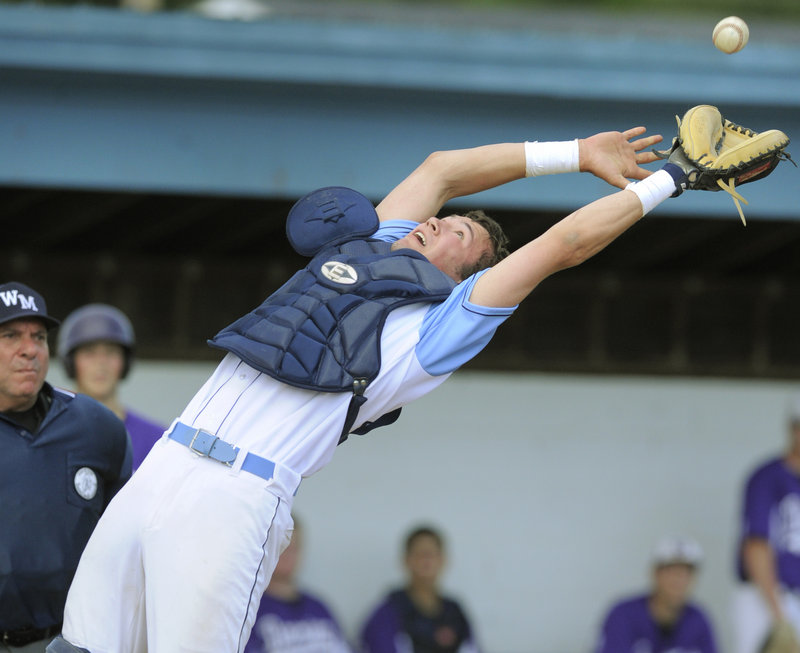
456	330
392	230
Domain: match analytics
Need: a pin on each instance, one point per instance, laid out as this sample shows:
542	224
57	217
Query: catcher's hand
781	639
717	154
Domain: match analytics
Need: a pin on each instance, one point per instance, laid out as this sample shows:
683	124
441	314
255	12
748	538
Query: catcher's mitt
717	154
781	639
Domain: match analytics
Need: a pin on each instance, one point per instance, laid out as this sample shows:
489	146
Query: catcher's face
451	244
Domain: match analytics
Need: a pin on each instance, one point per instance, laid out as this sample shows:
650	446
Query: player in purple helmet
96	344
393	301
768	558
663	620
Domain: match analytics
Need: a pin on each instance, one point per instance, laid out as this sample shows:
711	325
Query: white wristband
653	190
551	158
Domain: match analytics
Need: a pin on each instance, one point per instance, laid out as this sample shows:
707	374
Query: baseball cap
18	300
677	550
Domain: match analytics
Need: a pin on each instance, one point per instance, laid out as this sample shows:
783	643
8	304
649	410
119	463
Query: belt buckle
200	452
209	448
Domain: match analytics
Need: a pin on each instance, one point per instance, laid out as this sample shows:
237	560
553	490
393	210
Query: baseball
730	34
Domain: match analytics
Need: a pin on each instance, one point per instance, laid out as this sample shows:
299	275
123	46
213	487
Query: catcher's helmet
94	323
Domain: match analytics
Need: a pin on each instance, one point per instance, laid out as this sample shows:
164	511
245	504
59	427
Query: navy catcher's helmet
94	323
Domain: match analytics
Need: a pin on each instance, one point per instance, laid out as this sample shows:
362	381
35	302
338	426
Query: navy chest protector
321	330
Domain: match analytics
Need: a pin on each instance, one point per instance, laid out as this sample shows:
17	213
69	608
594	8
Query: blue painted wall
174	102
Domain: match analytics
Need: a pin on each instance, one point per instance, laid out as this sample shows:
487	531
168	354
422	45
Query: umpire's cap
18	300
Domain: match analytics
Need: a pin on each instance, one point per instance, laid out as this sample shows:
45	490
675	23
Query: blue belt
209	445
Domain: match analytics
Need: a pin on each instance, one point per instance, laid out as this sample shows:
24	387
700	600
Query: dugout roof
162	151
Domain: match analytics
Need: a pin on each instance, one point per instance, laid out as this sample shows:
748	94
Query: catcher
392	303
718	154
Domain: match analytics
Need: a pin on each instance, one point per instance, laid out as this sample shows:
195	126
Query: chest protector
321	330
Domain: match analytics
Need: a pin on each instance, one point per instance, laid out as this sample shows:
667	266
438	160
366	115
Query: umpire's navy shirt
54	484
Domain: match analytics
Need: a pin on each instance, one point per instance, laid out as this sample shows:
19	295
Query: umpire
64	456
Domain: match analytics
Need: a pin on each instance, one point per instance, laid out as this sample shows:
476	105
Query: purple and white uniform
208	537
771	510
304	625
629	628
397	626
144	434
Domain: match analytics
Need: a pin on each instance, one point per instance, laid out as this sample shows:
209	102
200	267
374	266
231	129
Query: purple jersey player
398	626
418	618
299	625
290	620
662	620
144	434
95	345
768	560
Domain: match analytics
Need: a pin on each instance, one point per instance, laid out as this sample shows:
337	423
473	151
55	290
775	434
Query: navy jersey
54	484
630	628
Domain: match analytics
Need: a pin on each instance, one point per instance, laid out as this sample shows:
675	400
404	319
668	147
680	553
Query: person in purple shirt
663	619
290	620
768	557
418	618
95	345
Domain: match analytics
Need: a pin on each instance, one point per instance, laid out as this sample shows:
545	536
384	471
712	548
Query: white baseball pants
180	558
752	620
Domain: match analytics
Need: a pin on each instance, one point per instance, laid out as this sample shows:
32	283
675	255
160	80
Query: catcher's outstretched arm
574	239
445	175
614	158
567	243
